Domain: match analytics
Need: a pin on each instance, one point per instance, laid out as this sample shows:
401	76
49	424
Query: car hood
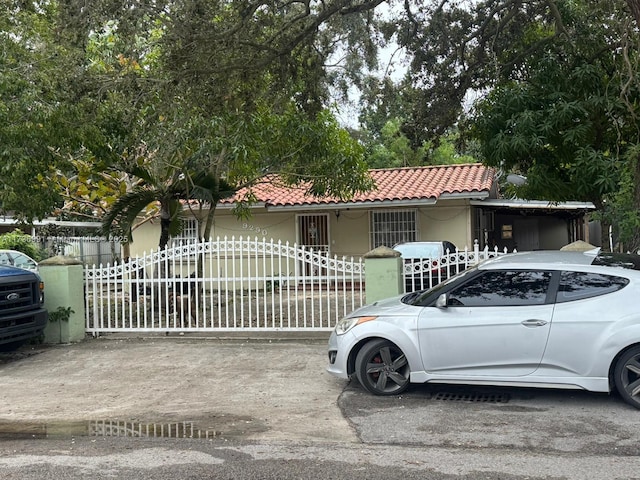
8	271
388	306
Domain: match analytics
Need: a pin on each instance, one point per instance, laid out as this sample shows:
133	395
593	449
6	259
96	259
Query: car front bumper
338	354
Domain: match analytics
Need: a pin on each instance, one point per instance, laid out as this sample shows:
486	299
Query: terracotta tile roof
393	184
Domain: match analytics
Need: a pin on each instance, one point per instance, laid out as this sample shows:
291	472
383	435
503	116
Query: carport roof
517	203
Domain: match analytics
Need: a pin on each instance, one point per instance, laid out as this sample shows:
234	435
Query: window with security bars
391	227
188	234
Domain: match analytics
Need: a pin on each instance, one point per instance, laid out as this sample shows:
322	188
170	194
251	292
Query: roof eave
533	204
353	205
48	221
363	204
474	196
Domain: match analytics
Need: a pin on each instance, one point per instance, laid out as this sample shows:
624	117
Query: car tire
382	368
627	376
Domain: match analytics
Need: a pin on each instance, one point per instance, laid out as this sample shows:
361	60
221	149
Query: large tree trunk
634	6
164	232
605	225
206	234
634	243
165	224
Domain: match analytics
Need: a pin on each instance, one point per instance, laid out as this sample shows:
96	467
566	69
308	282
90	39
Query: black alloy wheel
627	376
382	368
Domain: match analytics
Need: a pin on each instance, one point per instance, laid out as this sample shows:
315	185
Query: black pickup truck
22	315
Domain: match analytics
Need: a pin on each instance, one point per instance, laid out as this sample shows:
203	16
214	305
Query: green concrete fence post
383	274
63	287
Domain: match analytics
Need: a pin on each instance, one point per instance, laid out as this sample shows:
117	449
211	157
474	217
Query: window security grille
189	233
391	227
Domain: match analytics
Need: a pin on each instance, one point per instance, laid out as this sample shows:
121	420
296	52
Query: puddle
226	427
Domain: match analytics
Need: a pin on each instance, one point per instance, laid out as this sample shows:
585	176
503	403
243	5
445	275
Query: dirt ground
197	386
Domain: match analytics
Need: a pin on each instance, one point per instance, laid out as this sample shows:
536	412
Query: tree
559	83
203	126
94	84
33	107
161	183
554	128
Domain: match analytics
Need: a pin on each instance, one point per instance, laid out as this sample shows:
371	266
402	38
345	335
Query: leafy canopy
223	92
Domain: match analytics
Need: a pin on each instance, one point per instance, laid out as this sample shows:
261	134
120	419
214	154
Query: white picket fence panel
224	285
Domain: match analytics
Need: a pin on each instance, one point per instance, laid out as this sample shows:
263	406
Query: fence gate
224	285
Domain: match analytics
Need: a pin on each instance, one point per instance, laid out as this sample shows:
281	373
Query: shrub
20	241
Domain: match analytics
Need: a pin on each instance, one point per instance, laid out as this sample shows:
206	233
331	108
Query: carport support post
63	287
383	274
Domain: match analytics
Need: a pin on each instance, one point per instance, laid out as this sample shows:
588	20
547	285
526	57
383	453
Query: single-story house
458	203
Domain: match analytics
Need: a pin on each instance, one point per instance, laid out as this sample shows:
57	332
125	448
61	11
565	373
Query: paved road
525	420
112	408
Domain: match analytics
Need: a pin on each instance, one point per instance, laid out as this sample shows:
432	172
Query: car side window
503	288
579	285
4	259
23	262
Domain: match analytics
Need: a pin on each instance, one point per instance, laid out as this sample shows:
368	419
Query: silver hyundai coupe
541	319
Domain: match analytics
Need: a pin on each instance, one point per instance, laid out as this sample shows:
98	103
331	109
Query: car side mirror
442	300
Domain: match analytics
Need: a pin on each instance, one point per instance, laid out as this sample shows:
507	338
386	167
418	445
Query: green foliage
61	314
316	152
620	209
458	48
158	182
30	112
273	51
20	241
197	100
87	93
560	89
553	129
392	149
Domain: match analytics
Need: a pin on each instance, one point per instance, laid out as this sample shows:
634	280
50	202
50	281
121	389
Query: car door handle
534	323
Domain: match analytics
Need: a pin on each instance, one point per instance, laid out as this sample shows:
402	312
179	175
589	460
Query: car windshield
420	250
23	261
420	297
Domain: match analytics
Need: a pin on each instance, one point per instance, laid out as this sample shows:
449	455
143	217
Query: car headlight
346	324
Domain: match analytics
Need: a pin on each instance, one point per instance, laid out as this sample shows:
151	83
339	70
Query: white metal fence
224	285
242	284
421	273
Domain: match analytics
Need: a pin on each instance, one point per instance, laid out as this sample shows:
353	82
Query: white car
425	263
541	319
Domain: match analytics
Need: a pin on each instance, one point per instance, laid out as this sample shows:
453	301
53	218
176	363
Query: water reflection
110	428
105	428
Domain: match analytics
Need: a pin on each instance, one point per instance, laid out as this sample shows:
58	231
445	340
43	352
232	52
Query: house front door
313	233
